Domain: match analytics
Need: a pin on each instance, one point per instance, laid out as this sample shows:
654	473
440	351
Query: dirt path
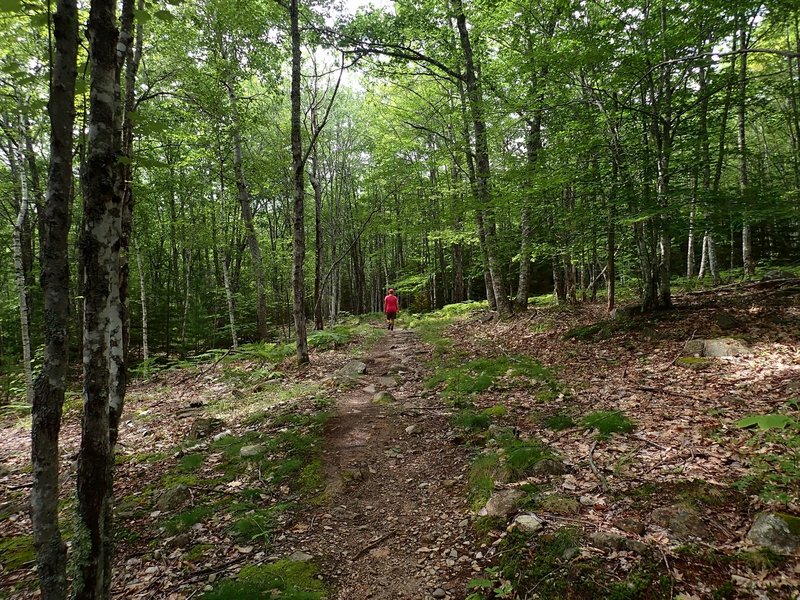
395	525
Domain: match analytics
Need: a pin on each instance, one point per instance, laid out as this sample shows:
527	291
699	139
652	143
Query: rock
173	498
383	398
722	347
253	450
179	541
681	520
204	427
630	526
351	370
777	532
560	505
439	593
300	556
503	503
548	466
387	382
726	321
529	523
617	542
716	348
413	429
626	312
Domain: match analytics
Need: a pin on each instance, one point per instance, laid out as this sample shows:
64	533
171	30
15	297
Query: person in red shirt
391	308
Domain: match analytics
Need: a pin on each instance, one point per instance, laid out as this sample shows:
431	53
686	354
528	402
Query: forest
589	210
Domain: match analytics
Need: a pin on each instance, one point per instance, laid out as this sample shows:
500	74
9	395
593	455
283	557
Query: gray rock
617	542
529	523
173	498
716	348
253	450
548	466
300	556
351	370
683	521
439	593
503	503
387	382
777	532
204	427
383	398
413	429
179	541
630	526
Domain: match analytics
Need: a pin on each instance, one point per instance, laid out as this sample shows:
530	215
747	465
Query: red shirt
390	304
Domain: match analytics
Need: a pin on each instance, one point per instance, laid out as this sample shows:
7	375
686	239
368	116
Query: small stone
439	593
179	541
413	429
529	523
252	450
503	503
173	498
300	556
630	526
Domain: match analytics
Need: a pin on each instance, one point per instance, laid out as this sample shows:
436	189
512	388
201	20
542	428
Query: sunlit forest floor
558	454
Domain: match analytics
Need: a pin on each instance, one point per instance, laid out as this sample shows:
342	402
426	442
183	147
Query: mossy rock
560	505
693	363
383	398
498	410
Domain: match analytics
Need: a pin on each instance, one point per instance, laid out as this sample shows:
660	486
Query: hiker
391	308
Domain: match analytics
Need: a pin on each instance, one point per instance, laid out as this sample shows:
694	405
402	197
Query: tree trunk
143	296
747	250
231	306
319	248
298	213
19	268
48	400
482	165
102	320
246	204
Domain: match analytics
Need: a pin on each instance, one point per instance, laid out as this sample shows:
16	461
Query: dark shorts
391	315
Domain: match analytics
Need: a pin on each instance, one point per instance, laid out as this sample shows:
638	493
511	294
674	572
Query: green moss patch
484	471
471	421
480	374
608	422
694	363
16	552
558	421
185	520
284	580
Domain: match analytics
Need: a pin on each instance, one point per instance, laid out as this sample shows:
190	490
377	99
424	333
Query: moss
608	422
16	552
172	479
186	519
312	477
285	580
484	471
521	457
255	526
199	552
191	462
560	505
694	363
480	374
498	410
558	421
792	522
761	558
471	420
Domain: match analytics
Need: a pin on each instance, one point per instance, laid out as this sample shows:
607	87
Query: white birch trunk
22	289
703	258
229	295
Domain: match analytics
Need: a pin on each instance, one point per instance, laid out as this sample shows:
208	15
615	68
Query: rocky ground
461	456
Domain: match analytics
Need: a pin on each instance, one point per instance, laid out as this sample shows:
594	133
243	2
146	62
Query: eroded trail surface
396	523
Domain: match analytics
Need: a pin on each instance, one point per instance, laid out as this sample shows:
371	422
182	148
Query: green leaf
164	15
765	422
10	5
81	86
141	16
124	160
40	20
483	584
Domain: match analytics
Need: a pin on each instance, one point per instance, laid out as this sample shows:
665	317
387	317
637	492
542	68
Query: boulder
777	532
173	498
503	503
716	348
548	466
681	520
383	398
351	370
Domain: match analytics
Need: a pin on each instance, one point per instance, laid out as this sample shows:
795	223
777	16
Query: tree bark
298	213
143	296
19	268
482	166
747	248
102	320
48	400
